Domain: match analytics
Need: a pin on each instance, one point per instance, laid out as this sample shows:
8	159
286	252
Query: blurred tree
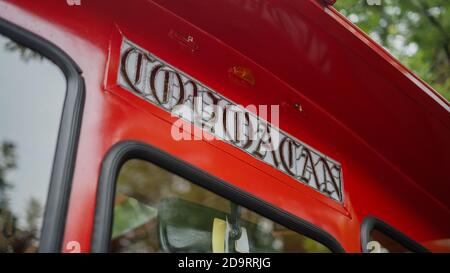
7	219
26	53
12	237
7	163
417	32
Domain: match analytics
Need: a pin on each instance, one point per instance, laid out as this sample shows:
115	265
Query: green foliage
417	32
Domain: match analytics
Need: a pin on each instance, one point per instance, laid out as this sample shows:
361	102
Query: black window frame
370	223
126	150
53	225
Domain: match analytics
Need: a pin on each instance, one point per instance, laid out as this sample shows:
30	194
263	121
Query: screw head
298	107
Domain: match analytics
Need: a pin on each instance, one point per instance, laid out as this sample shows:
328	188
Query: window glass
382	243
157	211
32	93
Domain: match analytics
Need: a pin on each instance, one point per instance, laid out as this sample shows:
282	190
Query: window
158	211
378	237
381	243
32	92
41	99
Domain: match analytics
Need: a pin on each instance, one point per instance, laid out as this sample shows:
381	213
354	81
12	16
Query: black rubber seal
53	225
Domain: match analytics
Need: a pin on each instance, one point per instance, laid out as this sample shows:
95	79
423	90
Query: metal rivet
298	107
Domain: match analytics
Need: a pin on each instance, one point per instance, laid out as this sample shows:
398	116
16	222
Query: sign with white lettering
167	87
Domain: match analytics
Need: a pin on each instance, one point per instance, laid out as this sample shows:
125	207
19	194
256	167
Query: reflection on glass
157	211
32	92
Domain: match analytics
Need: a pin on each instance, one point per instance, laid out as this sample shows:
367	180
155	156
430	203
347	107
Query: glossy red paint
388	129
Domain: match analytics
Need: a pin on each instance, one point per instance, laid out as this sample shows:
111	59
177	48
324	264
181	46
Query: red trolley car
233	126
